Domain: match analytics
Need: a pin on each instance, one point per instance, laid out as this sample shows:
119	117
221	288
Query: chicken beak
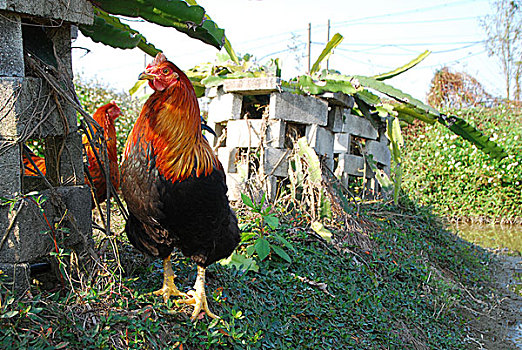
146	76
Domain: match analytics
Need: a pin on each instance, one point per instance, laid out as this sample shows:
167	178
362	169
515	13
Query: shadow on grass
412	285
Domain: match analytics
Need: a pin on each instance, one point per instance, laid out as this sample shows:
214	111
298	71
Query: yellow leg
199	298
169	288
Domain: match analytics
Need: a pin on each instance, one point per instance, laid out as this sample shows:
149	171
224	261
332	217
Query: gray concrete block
11	52
253	86
248	133
320	139
61	38
30	237
24	103
335	119
227	157
10	167
380	151
350	164
16	276
342	143
70	151
236	184
75	11
276	162
297	108
224	107
359	126
338	99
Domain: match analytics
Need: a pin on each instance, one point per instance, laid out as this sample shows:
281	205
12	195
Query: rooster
174	185
105	117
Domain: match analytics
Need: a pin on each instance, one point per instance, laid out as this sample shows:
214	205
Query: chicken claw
169	288
198	297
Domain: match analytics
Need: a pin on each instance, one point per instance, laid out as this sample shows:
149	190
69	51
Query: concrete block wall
340	138
28	112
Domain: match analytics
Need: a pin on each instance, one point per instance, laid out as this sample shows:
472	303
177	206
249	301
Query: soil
498	325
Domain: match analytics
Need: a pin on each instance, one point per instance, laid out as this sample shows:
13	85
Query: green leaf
248	202
240	262
322	231
228	46
272	221
137	86
250	250
177	14
314	166
307	84
404	68
468	132
9	314
380	175
327	51
283	241
395	93
262	248
281	253
246	236
109	30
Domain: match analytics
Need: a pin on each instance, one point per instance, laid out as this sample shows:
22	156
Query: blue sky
378	36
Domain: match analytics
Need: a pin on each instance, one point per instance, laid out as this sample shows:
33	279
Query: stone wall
28	111
251	113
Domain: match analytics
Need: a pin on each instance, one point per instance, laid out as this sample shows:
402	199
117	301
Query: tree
504	40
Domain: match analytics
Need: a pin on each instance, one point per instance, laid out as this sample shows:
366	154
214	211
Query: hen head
161	73
113	111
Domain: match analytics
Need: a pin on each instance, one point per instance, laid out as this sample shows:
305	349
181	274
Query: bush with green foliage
93	94
455	178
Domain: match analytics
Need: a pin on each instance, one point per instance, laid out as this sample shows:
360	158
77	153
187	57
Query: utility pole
309	44
327	40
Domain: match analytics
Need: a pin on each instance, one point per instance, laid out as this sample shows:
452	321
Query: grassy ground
456	179
391	279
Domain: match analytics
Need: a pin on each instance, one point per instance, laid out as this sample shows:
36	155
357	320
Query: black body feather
193	215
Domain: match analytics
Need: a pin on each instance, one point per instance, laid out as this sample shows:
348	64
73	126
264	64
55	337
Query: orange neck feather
170	121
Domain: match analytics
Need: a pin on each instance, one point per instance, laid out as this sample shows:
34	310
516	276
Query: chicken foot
198	297
169	288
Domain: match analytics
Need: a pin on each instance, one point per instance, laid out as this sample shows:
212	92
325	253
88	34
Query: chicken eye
166	71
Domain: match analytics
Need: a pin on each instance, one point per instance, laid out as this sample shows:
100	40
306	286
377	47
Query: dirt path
499	325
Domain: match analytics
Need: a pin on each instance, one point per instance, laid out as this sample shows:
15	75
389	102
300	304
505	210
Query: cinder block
236	184
218	129
10	167
297	108
338	99
71	161
353	165
24	103
252	86
17	277
342	143
75	11
380	151
30	237
61	38
271	187
320	139
335	119
359	126
224	107
247	133
12	52
276	162
227	157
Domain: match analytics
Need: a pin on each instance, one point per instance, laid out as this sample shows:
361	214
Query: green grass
408	289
